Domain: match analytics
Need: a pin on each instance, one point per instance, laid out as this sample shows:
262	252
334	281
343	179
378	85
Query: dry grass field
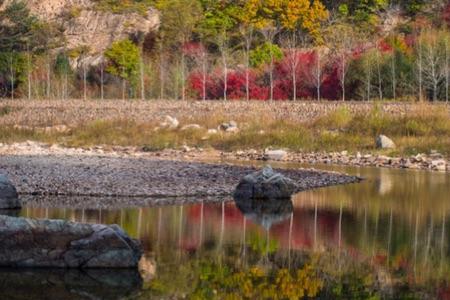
298	126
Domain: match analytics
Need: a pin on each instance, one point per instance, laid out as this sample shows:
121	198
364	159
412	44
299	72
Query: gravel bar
122	179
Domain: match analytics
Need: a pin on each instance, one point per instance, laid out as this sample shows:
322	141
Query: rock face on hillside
62	244
84	25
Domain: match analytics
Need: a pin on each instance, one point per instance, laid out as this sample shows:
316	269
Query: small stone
383	142
232	130
191	127
185	148
275	154
439	165
170	123
212	131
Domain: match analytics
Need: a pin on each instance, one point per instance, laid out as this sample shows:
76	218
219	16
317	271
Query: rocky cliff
86	26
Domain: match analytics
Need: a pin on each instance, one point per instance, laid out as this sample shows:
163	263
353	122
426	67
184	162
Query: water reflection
395	224
265	212
68	284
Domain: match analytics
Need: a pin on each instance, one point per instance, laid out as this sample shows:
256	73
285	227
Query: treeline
255	49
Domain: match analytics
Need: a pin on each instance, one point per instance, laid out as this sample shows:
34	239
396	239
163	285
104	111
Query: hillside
230	50
87	27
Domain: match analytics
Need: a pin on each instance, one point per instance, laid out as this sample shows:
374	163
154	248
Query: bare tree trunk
318	74
48	77
248	42
394	77
420	68
161	72
12	76
294	85
183	80
380	91
84	82
204	75
369	78
29	72
225	73
141	69
102	90
343	72
123	88
446	70
271	73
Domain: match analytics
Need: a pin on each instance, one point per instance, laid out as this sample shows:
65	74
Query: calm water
385	238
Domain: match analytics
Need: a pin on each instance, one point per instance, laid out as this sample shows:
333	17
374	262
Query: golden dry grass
297	126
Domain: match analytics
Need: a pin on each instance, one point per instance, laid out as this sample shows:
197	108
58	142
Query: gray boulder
63	244
8	194
383	142
265	184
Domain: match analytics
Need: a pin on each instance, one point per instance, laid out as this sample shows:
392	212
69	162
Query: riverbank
433	161
124	178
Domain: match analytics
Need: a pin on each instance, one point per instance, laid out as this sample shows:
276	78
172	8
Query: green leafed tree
124	59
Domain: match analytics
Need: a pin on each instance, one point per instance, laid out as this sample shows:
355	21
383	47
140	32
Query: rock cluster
63	244
8	194
265	184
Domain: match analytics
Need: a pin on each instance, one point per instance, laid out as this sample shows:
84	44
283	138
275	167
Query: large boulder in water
8	194
265	184
58	243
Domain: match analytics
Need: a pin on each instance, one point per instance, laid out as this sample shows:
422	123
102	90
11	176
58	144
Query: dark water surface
385	238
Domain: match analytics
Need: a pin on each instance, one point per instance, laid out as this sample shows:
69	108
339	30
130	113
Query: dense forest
232	49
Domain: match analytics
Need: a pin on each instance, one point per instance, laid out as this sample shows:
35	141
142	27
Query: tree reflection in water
349	241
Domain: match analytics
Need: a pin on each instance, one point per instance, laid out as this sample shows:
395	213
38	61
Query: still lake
385	238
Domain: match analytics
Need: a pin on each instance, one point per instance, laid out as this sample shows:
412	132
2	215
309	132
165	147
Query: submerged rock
265	184
383	142
8	194
62	244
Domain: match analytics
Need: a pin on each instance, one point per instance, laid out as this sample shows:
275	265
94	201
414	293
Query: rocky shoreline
433	161
120	177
